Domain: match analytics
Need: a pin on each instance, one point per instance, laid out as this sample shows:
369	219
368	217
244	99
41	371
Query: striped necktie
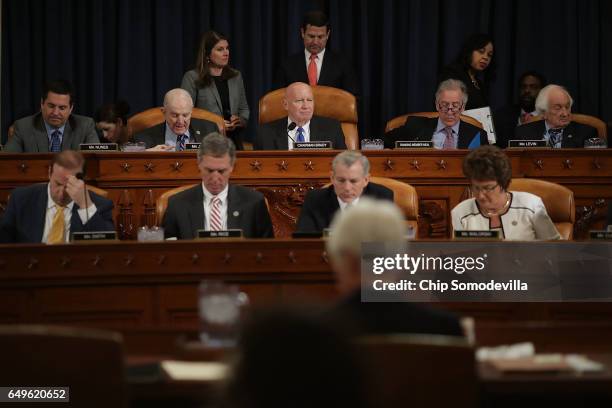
448	140
215	214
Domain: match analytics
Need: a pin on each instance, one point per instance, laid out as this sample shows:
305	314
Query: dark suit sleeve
263	222
405	132
89	131
170	221
307	221
264	133
339	141
102	220
15	143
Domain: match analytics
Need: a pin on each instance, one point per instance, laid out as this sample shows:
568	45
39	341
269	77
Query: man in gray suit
216	205
54	128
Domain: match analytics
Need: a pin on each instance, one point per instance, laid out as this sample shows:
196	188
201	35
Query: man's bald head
177	110
299	103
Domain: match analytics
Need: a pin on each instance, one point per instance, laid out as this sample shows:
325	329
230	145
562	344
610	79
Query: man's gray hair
541	103
348	158
216	145
368	221
452	85
177	93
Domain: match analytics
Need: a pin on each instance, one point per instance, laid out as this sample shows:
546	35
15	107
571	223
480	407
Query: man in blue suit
50	212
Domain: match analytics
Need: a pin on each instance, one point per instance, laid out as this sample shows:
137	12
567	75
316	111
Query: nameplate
94	236
485	234
105	147
414	144
313	145
231	233
527	143
600	235
307	234
192	146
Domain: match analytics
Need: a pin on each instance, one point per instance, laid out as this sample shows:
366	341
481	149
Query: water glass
152	234
221	309
595	143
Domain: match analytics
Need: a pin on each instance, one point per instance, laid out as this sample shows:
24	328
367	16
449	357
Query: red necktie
215	214
312	70
448	141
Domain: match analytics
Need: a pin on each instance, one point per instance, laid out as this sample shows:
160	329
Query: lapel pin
514	223
197	132
235	213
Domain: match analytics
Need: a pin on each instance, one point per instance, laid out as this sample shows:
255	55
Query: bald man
178	128
554	103
299	104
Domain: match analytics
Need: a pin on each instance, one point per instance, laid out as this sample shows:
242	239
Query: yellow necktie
56	234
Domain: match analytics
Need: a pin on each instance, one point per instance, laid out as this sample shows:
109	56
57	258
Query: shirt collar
222	195
51	129
548	127
170	136
441	126
51	203
343	204
319	55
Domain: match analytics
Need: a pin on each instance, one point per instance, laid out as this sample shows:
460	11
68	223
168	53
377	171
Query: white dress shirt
50	214
343	205
318	61
292	134
207	207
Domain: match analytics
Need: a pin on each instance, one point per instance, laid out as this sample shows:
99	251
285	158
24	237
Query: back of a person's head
111	112
289	358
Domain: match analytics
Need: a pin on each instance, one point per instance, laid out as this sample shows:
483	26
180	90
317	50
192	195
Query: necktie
525	117
180	142
554	136
448	140
300	135
312	70
215	214
56	144
56	234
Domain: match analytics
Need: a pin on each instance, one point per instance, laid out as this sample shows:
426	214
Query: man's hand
161	148
76	190
234	123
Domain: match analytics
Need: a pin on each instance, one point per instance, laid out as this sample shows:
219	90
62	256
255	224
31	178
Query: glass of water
595	143
221	309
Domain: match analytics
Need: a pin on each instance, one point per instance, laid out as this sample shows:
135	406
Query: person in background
475	67
447	131
111	120
519	216
554	103
217	87
509	117
55	127
50	212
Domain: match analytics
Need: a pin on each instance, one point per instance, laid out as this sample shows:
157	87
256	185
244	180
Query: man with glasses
215	204
554	103
447	131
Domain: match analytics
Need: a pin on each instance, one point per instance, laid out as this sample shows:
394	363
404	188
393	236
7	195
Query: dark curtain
139	49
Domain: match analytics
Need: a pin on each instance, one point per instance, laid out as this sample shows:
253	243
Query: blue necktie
300	135
180	142
56	144
554	136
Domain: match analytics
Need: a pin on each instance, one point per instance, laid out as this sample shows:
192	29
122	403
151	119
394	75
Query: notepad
194	370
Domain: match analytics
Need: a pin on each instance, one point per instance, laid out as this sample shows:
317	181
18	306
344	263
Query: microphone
291	126
81	176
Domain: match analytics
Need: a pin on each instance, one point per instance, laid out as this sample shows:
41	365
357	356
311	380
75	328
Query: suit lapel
465	136
40	134
326	67
233	209
567	140
215	92
315	130
195	134
195	210
40	209
232	85
280	141
332	203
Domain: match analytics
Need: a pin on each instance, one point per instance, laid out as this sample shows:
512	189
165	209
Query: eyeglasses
452	107
483	189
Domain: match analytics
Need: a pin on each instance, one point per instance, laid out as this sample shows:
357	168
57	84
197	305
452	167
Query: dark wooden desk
135	180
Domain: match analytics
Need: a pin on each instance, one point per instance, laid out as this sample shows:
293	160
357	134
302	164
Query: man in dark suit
350	179
300	125
54	128
216	205
554	103
317	65
509	117
447	131
178	128
49	212
375	221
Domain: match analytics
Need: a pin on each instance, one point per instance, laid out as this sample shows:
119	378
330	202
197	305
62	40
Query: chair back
405	197
90	362
162	202
154	116
400	120
600	125
329	102
558	200
420	370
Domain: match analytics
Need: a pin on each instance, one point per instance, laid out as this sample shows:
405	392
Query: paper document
484	116
194	370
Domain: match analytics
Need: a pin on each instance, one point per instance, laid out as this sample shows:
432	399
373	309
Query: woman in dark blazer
217	87
475	67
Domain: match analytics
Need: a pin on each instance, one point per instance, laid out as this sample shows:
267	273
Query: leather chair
154	116
90	362
162	202
558	200
600	125
400	120
98	191
329	102
408	370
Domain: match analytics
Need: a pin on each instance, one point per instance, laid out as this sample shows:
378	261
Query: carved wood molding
587	215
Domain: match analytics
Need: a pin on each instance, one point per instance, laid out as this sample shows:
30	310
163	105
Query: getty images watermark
486	271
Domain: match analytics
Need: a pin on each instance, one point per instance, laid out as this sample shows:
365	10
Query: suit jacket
421	129
31	134
321	205
574	134
246	210
24	218
273	135
506	121
156	135
362	318
336	71
208	98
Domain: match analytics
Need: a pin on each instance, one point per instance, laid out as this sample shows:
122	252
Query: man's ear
285	104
